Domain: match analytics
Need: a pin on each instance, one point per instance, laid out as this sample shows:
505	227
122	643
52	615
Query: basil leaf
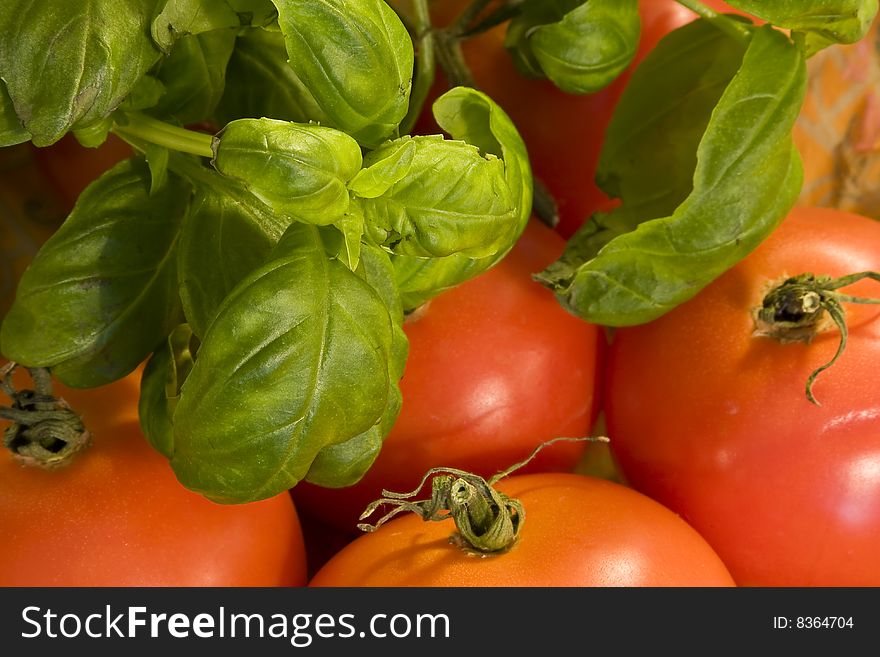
257	13
179	18
11	130
355	58
344	464
825	22
301	170
102	291
473	117
224	238
296	359
157	159
580	45
99	49
146	93
194	75
650	150
437	197
260	83
163	376
747	177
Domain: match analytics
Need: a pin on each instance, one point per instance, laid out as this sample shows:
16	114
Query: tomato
495	367
563	132
70	167
578	531
713	421
116	515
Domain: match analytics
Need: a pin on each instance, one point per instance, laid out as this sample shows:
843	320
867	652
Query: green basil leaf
296	359
70	64
473	117
147	92
157	159
344	464
355	58
102	291
257	13
179	18
194	75
650	150
300	170
825	22
442	197
580	45
161	381
746	178
11	130
225	237
260	83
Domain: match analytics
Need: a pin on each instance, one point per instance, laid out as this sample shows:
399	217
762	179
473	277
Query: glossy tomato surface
116	515
563	132
495	367
578	531
713	421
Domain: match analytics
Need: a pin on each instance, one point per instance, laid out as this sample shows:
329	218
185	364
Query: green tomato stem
794	310
487	521
735	29
141	126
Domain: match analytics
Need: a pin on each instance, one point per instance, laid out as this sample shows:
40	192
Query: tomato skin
714	422
495	367
563	132
578	531
116	515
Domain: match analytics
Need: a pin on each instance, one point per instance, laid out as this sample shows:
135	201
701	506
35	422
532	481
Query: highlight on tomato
709	413
495	367
554	529
114	515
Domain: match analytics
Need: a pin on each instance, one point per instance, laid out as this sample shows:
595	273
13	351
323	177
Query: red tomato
116	515
70	167
713	421
495	367
562	132
578	531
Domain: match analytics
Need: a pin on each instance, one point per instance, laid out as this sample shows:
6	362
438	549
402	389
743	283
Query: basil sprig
684	219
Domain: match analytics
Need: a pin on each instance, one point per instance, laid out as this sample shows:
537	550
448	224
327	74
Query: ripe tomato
495	367
578	531
562	132
116	516
713	421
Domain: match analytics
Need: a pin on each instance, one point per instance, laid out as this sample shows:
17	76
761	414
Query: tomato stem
45	431
794	310
487	521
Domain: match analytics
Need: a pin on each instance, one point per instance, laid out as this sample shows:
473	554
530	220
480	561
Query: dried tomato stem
45	431
794	310
487	521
